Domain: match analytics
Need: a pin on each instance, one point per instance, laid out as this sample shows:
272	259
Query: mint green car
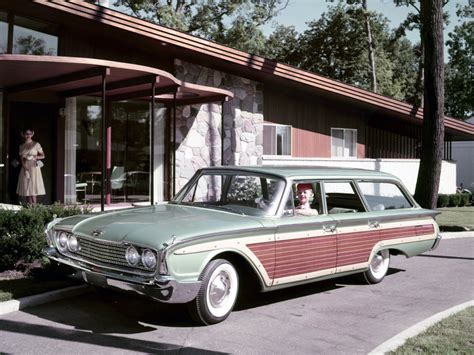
235	227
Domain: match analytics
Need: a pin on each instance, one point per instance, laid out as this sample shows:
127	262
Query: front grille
105	252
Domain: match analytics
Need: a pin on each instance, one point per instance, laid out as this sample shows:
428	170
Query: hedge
22	232
454	200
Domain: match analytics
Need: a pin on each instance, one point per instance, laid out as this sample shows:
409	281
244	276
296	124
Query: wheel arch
248	275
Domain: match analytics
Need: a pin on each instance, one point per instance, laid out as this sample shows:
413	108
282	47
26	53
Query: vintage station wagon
232	225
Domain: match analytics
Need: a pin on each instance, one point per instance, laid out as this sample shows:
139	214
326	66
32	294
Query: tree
233	22
427	184
31	45
370	41
459	85
282	45
336	46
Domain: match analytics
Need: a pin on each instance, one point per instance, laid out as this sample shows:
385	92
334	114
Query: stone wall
198	127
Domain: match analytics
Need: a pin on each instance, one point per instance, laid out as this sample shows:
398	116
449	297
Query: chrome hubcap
376	263
220	289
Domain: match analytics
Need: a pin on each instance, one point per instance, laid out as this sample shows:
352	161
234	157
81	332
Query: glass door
130	163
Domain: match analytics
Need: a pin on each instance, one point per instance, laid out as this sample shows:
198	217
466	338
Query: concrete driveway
338	316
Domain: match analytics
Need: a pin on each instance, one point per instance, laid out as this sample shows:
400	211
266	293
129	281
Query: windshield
243	193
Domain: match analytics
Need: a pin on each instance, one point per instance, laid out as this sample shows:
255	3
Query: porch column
104	146
173	147
222	133
152	144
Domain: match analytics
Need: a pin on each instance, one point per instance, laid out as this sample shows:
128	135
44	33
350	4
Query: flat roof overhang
205	52
71	76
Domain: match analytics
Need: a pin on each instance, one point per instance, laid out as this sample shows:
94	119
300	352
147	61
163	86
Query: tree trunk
370	44
427	185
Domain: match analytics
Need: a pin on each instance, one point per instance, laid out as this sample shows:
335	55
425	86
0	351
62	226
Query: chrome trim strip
436	242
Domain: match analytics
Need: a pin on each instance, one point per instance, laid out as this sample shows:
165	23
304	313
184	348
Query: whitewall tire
218	293
378	267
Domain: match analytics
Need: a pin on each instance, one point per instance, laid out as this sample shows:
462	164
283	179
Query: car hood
152	226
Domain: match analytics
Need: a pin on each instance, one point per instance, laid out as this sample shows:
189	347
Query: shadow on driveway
109	341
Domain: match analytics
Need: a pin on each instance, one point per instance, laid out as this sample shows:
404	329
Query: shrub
454	200
22	232
464	199
443	201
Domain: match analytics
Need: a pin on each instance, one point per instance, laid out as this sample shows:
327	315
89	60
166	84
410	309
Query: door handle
330	228
374	224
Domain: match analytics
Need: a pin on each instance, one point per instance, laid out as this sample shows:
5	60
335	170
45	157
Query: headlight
61	240
132	256
73	244
149	259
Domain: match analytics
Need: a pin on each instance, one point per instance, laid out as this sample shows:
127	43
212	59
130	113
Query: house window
34	37
343	143
3	32
276	139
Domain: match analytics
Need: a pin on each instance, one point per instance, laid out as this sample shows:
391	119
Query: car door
357	232
305	245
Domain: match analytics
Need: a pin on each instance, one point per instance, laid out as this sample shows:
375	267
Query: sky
299	12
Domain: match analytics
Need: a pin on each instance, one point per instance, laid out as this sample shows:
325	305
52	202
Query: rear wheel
218	293
378	267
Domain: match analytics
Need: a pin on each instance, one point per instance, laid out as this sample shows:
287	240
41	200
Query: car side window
341	197
383	195
307	198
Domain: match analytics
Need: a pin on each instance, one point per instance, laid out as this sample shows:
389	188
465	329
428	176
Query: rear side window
383	196
341	197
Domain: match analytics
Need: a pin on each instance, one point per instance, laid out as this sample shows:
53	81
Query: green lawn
27	286
456	217
14	289
453	335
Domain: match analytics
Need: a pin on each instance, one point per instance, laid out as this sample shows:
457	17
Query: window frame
355	188
402	189
343	142
276	140
11	24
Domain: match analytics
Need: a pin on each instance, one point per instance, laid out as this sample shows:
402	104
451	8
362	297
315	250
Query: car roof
291	172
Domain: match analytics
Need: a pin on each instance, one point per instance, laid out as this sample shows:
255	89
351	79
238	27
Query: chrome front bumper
161	288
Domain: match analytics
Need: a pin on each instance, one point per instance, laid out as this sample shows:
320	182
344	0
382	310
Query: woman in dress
30	181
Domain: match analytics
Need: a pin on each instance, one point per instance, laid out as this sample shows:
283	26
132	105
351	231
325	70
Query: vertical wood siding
312	119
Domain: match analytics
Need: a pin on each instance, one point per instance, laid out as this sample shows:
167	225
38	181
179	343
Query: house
463	155
127	110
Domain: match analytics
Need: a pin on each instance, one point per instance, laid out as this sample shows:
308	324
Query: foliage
443	200
232	22
32	45
336	46
22	232
454	200
459	87
282	45
464	199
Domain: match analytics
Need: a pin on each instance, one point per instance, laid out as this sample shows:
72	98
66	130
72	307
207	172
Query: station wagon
231	225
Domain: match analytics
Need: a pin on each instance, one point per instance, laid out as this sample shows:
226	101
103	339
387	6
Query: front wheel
378	267
218	293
